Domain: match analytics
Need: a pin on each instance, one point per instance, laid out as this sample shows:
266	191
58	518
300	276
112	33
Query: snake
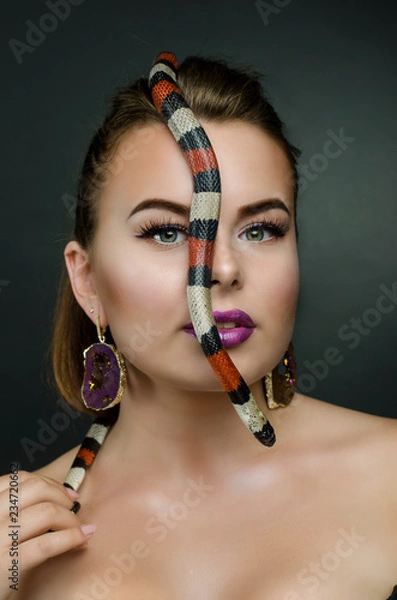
203	224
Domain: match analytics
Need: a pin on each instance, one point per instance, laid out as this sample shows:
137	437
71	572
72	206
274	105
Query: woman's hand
36	523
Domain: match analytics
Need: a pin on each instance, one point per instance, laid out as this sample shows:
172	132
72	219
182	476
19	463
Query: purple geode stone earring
104	374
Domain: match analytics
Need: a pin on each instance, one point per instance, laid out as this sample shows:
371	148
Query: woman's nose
226	267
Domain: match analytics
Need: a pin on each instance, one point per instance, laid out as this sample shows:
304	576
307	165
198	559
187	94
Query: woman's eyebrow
175	207
249	210
184	211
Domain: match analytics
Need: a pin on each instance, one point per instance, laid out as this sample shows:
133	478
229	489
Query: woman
182	501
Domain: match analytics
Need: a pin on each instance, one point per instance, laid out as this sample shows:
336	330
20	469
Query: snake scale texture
204	218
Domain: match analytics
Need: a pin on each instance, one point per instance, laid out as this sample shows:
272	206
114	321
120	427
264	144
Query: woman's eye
163	233
169	236
173	234
255	234
265	231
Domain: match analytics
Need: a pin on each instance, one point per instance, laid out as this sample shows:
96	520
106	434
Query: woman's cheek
289	287
282	293
136	317
139	300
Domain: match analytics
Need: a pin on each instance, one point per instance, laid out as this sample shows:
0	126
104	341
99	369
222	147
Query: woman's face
139	260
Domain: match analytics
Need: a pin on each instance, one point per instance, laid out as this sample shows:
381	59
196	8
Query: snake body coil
204	217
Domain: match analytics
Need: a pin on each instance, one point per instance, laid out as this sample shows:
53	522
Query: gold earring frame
280	389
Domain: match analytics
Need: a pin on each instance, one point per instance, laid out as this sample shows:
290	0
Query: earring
104	374
279	389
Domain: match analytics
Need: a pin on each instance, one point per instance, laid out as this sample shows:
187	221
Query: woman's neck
183	430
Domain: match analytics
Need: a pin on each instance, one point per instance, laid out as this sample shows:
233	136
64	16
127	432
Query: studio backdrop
330	70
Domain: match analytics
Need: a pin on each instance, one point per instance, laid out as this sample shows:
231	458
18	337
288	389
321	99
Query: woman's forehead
149	162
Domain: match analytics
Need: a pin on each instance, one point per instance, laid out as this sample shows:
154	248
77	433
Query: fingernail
72	493
88	529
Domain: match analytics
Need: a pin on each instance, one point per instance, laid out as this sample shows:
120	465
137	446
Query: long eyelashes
168	230
161	228
275	228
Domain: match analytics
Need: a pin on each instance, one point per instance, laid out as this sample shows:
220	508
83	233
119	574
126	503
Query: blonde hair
216	92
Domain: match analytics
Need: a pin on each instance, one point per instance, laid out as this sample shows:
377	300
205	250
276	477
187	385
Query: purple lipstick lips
234	327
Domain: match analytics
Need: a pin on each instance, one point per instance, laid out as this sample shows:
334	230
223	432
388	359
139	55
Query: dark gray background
329	65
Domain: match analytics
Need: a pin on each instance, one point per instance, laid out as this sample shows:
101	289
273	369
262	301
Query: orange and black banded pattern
87	452
200	156
204	216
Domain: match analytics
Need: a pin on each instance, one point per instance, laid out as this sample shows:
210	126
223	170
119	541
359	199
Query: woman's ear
79	268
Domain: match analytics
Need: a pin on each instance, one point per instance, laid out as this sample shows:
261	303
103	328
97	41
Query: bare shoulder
58	468
338	415
350	439
359	451
348	428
